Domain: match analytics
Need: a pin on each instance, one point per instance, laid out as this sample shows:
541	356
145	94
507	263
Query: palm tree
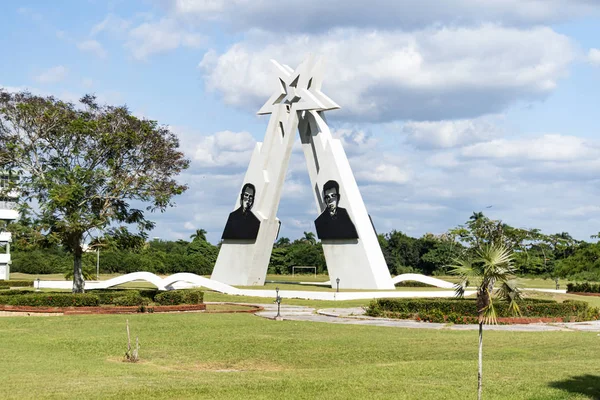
491	266
199	235
476	216
310	237
87	271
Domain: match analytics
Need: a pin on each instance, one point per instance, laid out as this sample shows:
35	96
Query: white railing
8	214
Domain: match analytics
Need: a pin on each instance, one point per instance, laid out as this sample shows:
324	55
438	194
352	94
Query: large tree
82	165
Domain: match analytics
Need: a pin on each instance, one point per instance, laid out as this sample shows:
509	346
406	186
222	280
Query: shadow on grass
588	385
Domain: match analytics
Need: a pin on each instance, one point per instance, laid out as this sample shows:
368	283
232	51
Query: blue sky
447	107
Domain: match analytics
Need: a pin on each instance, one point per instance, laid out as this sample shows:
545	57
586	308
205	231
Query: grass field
239	356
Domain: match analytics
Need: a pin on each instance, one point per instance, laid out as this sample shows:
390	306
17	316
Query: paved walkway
355	316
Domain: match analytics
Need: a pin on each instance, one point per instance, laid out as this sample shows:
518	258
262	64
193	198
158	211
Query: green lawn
214	296
320	288
239	356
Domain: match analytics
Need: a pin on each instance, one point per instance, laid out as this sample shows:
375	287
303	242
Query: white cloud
166	34
354	141
545	148
112	24
594	57
203	6
30	13
224	149
431	74
383	173
52	75
448	134
188	225
92	46
144	35
442	160
319	16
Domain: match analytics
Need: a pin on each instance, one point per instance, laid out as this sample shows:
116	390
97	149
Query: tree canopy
86	167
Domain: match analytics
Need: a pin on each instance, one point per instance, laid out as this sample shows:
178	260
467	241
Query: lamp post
278	301
337	281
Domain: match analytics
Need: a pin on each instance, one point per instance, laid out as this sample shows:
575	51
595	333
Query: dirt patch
28	314
27	310
233	308
584	294
244	366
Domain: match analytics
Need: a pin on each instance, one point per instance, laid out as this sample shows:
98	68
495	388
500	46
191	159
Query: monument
349	240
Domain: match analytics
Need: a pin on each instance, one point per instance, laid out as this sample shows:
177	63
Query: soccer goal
294	268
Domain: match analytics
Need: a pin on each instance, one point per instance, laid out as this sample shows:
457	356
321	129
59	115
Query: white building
8	213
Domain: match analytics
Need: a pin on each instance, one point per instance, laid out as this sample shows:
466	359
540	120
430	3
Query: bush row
51	300
585	287
457	308
40	262
93	298
7	284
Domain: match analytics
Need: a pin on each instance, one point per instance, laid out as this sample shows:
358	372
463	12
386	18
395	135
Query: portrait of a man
334	222
242	223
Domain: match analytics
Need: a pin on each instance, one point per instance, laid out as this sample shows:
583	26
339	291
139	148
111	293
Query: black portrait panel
334	222
242	223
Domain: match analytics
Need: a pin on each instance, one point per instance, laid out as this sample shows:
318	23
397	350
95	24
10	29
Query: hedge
585	287
123	297
182	296
51	300
7	284
457	308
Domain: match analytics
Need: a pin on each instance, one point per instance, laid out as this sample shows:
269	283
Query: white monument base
242	262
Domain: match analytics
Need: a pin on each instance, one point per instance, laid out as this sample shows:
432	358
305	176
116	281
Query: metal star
300	89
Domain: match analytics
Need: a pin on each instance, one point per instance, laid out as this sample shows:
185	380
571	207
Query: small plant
132	355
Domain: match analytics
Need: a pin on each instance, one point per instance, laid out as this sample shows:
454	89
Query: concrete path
355	316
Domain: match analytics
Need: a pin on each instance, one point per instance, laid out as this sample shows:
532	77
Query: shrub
39	262
585	287
169	298
433	316
413	284
107	296
183	296
51	300
148	293
430	309
130	298
125	297
13	292
7	284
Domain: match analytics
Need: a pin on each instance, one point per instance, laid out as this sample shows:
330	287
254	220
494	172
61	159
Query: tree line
121	251
80	169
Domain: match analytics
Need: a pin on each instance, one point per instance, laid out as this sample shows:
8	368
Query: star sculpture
300	89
